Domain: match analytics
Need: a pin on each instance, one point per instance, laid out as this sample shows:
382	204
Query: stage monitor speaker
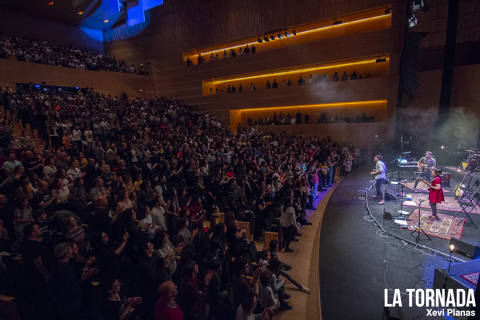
465	248
389	193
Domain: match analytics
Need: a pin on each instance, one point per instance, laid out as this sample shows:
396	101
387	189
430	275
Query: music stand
418	229
468	203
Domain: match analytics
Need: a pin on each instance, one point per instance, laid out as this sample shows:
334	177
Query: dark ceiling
66	11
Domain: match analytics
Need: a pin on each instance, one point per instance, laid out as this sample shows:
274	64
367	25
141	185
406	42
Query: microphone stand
418	229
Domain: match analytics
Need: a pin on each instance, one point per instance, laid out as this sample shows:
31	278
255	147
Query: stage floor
357	261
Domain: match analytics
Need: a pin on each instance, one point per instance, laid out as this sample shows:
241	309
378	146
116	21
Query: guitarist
435	192
425	166
380	178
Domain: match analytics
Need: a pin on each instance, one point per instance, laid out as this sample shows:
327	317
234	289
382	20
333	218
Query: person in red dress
435	192
166	308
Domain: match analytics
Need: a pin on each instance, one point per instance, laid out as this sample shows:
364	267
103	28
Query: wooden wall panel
115	83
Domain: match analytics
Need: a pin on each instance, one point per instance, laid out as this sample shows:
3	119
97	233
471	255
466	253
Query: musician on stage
425	166
380	178
435	192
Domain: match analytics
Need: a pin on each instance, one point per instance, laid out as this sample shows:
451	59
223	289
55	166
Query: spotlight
266	39
50	3
417	5
259	40
279	36
37	86
286	34
412	21
452	248
272	37
106	20
294	32
442	147
80	13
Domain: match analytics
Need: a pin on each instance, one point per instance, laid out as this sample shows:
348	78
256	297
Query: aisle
350	264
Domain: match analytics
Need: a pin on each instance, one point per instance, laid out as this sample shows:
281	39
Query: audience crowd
42	52
286	83
299	118
242	51
117	216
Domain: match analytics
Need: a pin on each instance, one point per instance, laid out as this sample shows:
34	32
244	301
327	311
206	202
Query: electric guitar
428	184
421	166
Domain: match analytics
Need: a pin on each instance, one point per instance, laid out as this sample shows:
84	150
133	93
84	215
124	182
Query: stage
358	260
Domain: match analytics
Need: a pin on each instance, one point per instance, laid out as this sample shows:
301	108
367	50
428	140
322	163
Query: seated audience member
42	52
166	307
125	219
115	306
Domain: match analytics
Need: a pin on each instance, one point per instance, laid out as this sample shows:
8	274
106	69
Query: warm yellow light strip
281	73
298	33
324	105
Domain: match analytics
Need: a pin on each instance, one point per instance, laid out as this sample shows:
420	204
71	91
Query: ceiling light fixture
106	20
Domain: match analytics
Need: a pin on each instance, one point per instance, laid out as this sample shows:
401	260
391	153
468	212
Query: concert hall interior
222	159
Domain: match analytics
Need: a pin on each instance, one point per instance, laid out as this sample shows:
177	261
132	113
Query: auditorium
239	159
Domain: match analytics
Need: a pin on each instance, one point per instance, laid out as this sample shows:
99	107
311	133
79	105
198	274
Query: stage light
412	21
442	147
279	36
37	86
272	37
266	39
294	32
51	3
286	34
259	40
106	20
80	13
452	248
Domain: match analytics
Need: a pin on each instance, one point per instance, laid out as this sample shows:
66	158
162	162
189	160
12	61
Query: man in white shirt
380	178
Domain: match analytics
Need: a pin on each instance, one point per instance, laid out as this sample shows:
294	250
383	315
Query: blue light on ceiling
93	33
111	10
